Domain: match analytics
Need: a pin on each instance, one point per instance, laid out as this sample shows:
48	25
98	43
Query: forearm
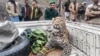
95	12
8	10
12	13
89	14
71	10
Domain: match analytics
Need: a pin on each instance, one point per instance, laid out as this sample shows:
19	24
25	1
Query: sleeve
8	8
18	8
46	14
88	11
57	13
22	11
40	13
89	6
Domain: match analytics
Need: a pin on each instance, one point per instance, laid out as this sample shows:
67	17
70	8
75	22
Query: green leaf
36	49
39	38
40	42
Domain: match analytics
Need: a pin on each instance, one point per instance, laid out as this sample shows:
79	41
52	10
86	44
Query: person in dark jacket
26	10
66	7
93	12
36	12
51	12
81	11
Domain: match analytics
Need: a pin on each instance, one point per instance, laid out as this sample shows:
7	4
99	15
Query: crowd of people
73	10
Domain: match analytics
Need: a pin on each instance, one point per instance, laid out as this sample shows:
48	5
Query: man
81	11
66	6
36	12
26	10
51	12
12	8
73	10
93	11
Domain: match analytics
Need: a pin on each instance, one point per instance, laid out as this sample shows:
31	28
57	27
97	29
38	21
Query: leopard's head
59	23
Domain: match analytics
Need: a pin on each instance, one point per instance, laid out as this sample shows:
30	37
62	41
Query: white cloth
66	14
8	33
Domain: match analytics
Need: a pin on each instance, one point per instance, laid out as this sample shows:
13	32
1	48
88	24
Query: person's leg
83	17
27	19
67	15
78	17
14	19
9	18
72	17
17	19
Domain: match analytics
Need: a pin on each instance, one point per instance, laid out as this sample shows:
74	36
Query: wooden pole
59	9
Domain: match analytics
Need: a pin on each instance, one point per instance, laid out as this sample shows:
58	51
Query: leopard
59	37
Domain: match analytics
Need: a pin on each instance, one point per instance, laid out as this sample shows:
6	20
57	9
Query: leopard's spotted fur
59	37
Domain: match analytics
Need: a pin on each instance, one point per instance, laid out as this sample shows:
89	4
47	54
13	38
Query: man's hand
89	13
73	11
